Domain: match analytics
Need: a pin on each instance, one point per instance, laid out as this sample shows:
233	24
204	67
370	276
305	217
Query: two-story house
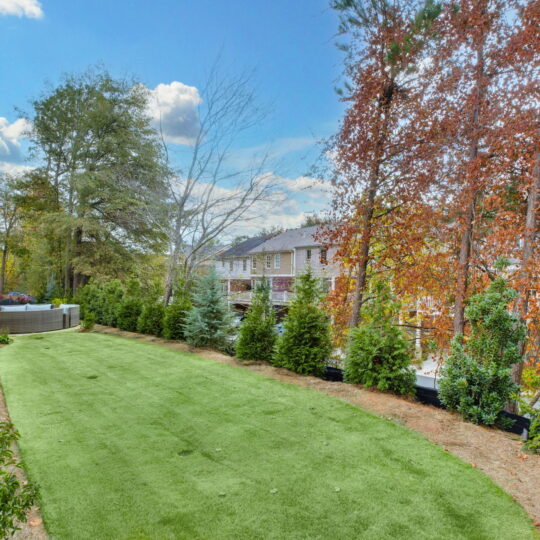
234	268
279	258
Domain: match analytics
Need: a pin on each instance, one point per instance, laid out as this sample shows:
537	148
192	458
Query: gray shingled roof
243	248
288	240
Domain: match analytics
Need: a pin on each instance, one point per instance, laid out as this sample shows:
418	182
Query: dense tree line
435	166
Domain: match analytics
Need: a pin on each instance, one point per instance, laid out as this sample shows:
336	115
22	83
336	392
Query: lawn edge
293	380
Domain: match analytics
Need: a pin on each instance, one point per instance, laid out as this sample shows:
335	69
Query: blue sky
290	44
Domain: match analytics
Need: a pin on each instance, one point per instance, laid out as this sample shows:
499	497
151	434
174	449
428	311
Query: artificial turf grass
132	440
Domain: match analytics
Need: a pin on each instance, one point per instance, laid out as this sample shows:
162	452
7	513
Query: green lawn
132	440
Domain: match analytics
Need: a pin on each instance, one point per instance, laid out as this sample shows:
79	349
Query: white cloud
173	109
21	8
14	169
288	207
314	186
10	135
308	193
269	220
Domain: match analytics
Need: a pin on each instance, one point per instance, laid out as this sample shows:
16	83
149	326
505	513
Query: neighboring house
279	258
234	266
204	259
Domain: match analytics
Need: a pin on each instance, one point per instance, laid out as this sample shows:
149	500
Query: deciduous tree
372	152
102	173
211	192
10	217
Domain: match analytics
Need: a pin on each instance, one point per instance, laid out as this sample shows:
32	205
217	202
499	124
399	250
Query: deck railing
278	297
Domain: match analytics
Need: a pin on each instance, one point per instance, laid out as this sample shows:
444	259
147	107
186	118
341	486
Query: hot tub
33	318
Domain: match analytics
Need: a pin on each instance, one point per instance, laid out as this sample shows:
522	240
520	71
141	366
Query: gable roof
244	248
288	240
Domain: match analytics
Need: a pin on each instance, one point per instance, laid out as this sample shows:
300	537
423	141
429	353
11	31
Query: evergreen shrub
476	379
175	318
209	322
151	319
379	354
305	346
257	336
129	311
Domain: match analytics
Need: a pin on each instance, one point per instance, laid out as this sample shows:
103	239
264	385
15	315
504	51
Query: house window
244	265
323	256
277	260
253	262
222	264
231	264
269	261
308	254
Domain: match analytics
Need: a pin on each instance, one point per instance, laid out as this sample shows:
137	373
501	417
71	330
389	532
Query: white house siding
328	270
237	272
222	272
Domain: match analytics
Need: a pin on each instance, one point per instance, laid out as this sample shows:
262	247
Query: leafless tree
213	191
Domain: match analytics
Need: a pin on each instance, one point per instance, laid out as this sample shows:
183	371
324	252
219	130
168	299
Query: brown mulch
497	453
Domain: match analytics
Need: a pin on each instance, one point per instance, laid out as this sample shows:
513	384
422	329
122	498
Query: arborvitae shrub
151	319
379	354
175	318
257	336
209	322
88	323
91	300
129	312
113	292
101	299
305	346
476	379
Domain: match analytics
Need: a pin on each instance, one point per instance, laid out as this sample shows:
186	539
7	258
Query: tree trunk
3	269
463	270
68	270
383	120
527	256
68	279
172	274
468	228
77	278
361	276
